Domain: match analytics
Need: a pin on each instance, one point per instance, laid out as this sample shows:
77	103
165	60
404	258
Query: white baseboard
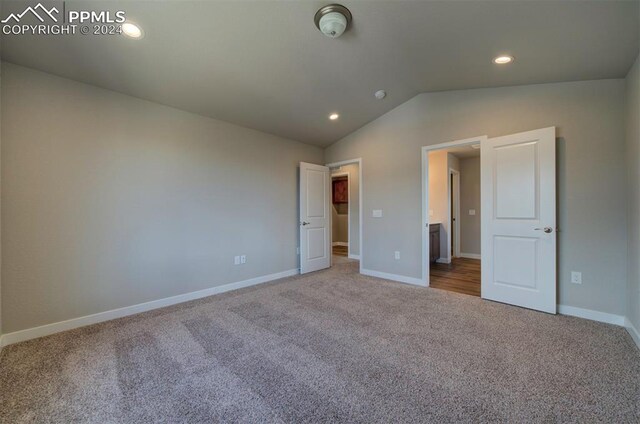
470	255
393	277
633	331
443	260
57	327
354	257
340	243
591	314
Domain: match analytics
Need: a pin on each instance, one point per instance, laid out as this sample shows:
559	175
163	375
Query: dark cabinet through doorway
434	242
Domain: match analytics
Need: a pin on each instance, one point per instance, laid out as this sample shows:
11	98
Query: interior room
454	219
305	211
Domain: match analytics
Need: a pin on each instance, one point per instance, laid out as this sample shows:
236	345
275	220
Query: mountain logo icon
34	11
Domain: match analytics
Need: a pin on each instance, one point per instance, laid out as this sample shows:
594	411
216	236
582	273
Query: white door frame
360	202
343	174
455	212
425	194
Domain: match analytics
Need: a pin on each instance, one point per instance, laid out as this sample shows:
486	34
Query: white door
315	217
518	180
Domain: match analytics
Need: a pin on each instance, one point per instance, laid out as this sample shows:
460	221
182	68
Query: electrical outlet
243	259
377	213
236	260
397	255
576	277
297	250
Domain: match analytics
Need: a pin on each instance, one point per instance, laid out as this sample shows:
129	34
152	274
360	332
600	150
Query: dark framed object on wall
340	190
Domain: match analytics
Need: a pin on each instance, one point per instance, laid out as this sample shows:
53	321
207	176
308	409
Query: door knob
545	229
305	223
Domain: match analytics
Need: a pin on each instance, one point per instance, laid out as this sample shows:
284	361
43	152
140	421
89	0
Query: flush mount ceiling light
380	94
333	20
132	30
503	59
334	116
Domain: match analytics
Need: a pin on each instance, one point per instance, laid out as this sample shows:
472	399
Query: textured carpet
333	346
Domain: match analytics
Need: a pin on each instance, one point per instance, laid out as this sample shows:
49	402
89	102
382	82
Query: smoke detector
380	94
333	20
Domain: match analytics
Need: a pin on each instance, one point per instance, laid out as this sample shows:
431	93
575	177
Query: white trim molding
445	260
633	331
470	255
57	327
453	212
591	314
357	257
393	277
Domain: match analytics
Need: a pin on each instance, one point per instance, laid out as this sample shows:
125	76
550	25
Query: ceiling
464	152
264	65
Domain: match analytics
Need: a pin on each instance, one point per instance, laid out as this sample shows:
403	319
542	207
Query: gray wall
109	201
470	199
339	223
452	163
633	162
589	117
354	199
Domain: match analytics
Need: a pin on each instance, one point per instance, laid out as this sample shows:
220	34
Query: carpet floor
331	346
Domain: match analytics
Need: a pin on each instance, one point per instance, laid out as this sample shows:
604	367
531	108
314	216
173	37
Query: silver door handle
305	223
545	229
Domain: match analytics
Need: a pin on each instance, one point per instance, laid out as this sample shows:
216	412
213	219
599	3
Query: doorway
340	213
454	210
346	212
315	203
518	224
453	189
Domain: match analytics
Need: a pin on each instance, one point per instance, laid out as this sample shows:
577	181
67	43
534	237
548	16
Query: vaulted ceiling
264	65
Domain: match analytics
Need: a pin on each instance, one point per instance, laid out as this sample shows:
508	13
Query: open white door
315	217
519	219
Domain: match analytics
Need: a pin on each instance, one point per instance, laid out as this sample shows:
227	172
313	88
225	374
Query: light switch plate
576	277
243	259
430	212
236	260
397	255
472	211
377	213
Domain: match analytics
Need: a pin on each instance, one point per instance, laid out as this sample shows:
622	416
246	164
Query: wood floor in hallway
340	250
462	275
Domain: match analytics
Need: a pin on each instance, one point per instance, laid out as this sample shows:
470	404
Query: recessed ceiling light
501	60
334	116
132	30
